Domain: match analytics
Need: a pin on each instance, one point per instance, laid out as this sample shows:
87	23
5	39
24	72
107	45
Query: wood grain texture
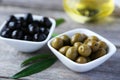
40	4
10	58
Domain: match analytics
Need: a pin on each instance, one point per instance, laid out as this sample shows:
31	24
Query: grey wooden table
10	58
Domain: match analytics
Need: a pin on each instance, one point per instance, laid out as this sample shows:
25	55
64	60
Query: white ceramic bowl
87	66
28	46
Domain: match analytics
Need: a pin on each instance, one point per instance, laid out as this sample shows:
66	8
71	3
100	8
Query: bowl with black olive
81	49
27	32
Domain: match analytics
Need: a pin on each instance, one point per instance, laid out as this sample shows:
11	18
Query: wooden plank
58	71
40	4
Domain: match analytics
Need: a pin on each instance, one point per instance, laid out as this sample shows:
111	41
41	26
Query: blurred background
37	4
54	8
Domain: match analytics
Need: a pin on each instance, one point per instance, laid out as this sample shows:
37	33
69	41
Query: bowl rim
35	17
110	46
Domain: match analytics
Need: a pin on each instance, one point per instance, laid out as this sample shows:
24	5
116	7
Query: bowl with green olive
81	49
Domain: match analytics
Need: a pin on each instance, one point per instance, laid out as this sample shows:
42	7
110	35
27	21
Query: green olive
84	50
77	44
93	38
71	53
63	49
84	37
86	41
81	60
94	45
101	52
76	38
88	59
57	43
102	44
66	39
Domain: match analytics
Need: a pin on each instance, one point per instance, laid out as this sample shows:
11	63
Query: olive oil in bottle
87	10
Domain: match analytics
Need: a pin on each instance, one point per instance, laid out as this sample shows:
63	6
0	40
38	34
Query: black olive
47	31
25	29
14	34
41	22
20	35
6	33
36	30
42	29
11	24
17	34
47	22
23	22
28	38
41	37
12	18
31	28
18	25
36	23
29	18
35	37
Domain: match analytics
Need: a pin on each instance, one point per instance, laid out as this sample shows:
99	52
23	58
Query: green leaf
53	35
38	62
35	68
34	59
59	21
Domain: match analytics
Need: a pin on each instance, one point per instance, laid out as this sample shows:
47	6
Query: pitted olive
93	38
66	39
71	53
94	45
101	52
57	43
77	44
84	37
81	60
84	50
102	44
63	49
86	41
76	38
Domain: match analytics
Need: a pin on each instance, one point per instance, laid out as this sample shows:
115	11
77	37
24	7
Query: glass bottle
87	10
